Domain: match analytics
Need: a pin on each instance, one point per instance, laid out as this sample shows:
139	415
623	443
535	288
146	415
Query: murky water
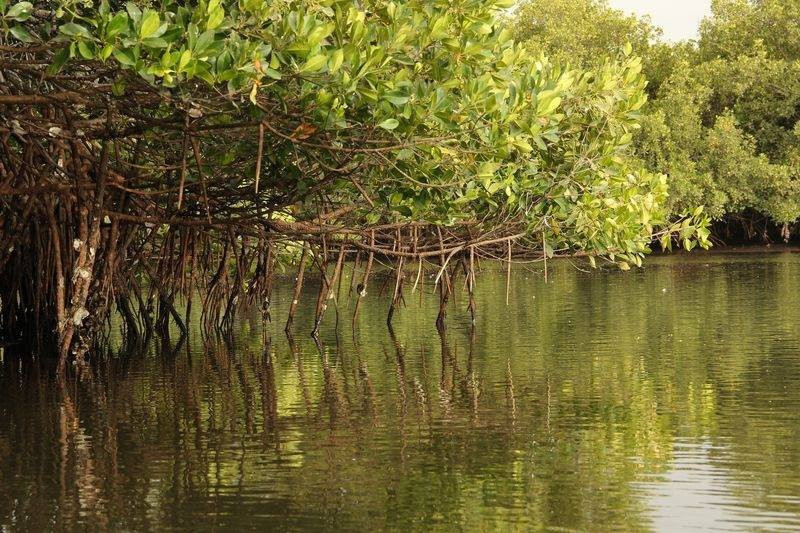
662	399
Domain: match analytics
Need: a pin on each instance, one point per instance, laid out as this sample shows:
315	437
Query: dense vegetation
150	151
723	121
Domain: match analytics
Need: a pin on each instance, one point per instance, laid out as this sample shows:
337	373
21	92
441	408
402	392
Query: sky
678	18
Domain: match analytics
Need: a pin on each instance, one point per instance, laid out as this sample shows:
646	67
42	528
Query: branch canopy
417	111
190	146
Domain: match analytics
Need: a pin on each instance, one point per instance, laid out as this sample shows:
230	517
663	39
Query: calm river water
666	398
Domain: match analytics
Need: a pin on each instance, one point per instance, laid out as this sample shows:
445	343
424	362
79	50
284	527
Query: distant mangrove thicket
151	152
723	121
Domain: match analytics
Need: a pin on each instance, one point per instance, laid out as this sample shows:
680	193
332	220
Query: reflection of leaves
587	404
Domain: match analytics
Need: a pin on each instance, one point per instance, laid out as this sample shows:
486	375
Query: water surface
666	398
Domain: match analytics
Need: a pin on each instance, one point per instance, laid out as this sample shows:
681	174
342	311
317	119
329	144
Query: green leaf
186	56
396	97
22	34
74	30
627	49
488	169
59	60
336	60
547	103
215	18
168	59
272	73
204	41
314	63
106	52
20	12
389	124
134	12
117	24
493	186
523	145
85	50
125	57
150	23
155	42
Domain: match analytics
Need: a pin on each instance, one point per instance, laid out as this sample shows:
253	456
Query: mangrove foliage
723	120
157	153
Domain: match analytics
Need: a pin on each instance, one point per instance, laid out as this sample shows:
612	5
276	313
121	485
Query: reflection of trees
546	412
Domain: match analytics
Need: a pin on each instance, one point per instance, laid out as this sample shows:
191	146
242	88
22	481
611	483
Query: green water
666	398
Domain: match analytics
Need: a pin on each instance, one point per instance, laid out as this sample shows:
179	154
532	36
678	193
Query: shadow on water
667	398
